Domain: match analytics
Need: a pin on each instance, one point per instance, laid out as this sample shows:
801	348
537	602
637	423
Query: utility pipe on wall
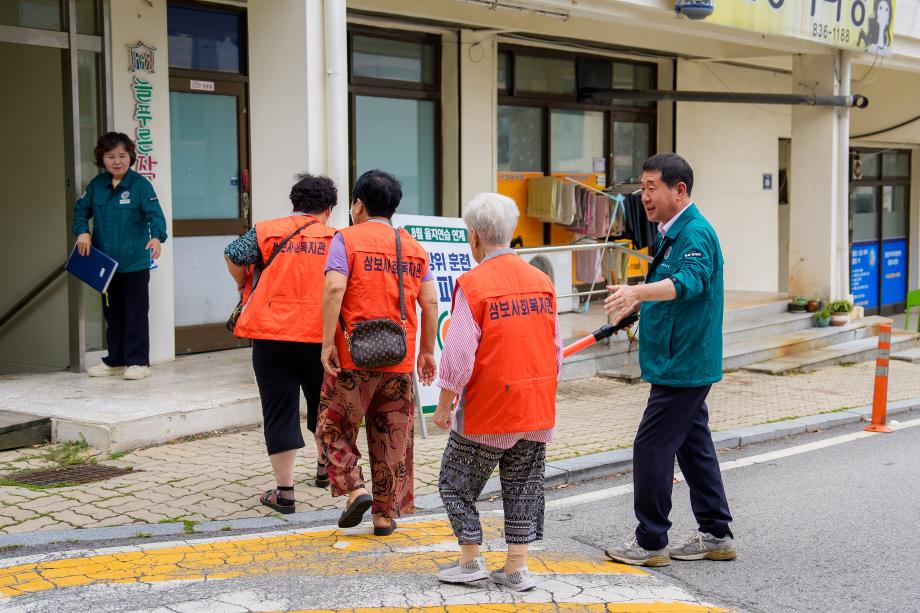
843	177
739	97
336	61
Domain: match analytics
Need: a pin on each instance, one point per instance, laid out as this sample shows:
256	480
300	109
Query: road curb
569	470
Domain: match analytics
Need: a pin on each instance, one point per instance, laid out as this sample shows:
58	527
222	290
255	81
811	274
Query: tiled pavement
220	477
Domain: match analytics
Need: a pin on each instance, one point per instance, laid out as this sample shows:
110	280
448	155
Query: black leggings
283	368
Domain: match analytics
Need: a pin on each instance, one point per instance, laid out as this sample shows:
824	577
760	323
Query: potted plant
798	304
840	312
823	317
812	306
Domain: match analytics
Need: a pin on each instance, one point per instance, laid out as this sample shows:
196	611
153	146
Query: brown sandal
282	505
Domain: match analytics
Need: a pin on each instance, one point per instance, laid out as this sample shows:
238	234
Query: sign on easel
445	240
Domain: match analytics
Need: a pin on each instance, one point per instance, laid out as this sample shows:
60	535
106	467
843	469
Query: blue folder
95	269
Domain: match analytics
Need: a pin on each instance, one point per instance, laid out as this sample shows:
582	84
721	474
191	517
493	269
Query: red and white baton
599	335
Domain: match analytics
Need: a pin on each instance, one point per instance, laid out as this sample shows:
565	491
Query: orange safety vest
513	386
287	304
372	291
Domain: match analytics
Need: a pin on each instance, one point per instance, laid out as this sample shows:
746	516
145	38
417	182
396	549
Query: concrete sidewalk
219	478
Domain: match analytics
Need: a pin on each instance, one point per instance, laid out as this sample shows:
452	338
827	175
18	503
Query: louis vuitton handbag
256	274
377	343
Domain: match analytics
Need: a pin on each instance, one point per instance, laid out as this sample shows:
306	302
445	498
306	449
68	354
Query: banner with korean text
445	239
858	25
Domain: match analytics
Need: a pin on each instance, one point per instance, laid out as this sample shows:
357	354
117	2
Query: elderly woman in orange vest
362	284
502	356
282	316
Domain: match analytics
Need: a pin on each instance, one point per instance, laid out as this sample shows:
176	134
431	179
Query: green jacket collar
690	213
126	181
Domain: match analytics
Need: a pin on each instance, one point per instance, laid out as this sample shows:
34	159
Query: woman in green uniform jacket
128	225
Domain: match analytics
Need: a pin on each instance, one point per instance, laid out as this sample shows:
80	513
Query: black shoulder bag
256	273
377	343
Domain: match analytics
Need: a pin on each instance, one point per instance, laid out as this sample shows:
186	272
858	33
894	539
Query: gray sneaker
704	546
631	553
474	570
519	581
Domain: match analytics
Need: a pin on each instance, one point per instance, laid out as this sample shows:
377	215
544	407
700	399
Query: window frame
243	73
404	90
511	96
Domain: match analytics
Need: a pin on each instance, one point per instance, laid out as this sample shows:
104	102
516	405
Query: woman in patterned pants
501	357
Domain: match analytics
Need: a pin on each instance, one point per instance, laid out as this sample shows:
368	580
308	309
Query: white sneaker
135	373
519	581
474	570
104	370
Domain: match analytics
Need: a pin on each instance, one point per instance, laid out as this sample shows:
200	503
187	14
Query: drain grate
78	473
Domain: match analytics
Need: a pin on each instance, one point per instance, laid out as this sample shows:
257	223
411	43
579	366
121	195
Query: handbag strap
260	269
399	276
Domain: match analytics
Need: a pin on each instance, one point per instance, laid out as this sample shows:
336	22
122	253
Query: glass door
210	194
879	236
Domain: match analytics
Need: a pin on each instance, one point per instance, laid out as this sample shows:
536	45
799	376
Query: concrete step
851	351
739	355
628	373
23	430
908	355
762	349
772	307
739	329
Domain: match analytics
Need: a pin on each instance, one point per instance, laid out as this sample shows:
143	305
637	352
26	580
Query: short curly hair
111	140
313	193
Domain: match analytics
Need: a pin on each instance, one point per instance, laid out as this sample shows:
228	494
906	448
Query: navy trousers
127	331
676	423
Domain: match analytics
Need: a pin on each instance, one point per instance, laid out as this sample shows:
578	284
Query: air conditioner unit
558	266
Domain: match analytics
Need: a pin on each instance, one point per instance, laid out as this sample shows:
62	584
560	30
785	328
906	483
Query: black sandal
282	505
322	480
386	530
354	513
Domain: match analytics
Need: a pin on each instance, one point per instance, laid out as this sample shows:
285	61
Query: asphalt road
835	529
824	522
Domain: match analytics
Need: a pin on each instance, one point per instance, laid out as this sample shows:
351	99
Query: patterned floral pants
465	468
384	401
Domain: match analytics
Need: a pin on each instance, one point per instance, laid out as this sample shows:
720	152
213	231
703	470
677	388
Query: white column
280	104
146	22
817	233
478	113
298	92
336	116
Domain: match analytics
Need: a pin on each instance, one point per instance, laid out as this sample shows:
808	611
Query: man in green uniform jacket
680	353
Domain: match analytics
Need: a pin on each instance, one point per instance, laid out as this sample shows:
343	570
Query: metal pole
856	100
418	407
584	247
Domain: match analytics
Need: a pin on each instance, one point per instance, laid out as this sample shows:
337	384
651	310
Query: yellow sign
859	25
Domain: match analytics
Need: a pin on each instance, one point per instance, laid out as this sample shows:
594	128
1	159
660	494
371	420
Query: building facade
228	100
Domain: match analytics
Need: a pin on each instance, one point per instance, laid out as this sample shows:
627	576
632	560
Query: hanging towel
565	213
601	221
588	264
541	198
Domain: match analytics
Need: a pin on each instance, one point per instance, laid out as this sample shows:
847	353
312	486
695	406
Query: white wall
133	22
731	147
